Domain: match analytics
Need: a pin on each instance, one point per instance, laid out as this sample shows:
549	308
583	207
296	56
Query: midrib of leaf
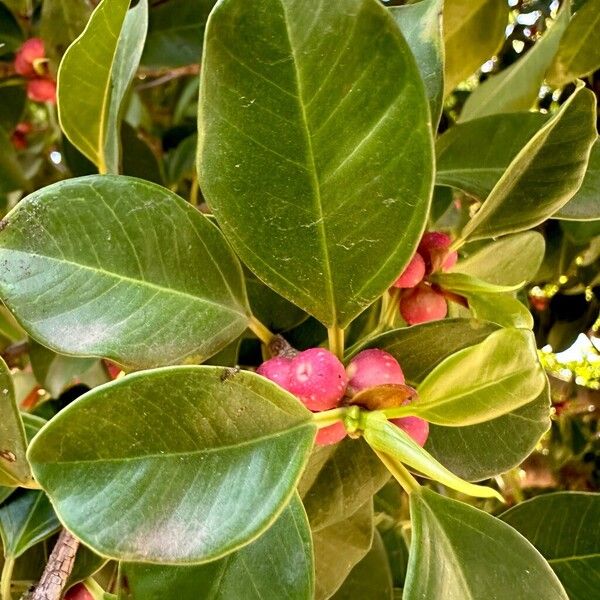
127	279
25	524
573	558
317	200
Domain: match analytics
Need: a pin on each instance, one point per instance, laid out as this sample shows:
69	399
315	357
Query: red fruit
417	428
19	135
433	247
41	89
278	370
318	379
373	367
78	592
27	54
413	274
422	304
331	435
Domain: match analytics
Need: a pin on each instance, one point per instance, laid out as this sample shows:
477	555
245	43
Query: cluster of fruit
31	63
420	300
320	381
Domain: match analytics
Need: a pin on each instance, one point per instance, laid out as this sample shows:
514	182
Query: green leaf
338	480
517	87
279	564
306	125
139	160
14	469
503	309
584	205
11	34
466	284
11	174
472	156
421	25
482	382
393	442
508	261
544	175
371	578
339	547
134	247
93	78
62	21
87	562
475	555
26	519
564	528
176	33
579	52
171	486
473	32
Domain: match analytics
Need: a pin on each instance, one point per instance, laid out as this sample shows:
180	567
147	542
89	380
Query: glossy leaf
130	245
461	553
517	87
394	443
421	25
585	205
62	21
472	156
579	52
507	261
229	432
544	175
339	547
482	382
371	578
503	309
466	284
26	519
93	78
564	528
279	564
176	33
473	32
14	469
314	217
338	480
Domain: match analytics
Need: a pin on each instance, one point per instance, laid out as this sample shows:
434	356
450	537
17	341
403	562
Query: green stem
456	245
399	472
7	570
388	315
336	341
260	331
194	192
329	417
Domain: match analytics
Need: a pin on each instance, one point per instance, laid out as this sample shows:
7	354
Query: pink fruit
422	304
41	89
331	435
278	370
433	247
78	592
373	367
318	379
27	54
417	428
413	274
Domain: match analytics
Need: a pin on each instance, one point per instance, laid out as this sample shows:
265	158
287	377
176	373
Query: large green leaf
339	547
94	76
482	382
472	156
474	452
122	280
517	87
187	447
564	528
176	33
279	564
585	204
421	25
26	519
461	553
544	175
371	578
338	480
473	32
579	50
508	261
317	164
14	469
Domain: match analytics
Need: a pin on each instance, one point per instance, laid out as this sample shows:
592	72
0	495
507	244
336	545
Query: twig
160	76
57	570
